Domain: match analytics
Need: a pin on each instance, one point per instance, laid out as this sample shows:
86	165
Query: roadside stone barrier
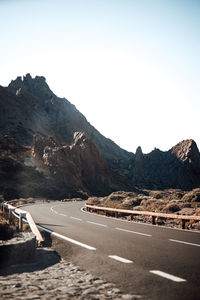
19	249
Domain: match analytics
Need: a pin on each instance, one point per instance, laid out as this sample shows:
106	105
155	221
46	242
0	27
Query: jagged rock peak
139	151
185	150
139	154
37	85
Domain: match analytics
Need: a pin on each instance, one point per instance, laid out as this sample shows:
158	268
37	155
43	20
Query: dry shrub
139	207
172	207
156	194
167	194
197	213
93	201
113	204
153	204
193	196
185	205
129	203
26	228
187	211
178	194
120	195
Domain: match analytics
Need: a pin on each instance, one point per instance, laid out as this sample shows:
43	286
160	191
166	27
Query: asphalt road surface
153	261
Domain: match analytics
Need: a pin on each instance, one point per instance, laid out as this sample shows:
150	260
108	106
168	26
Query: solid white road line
168	276
76	219
67	239
121	259
97	224
145	234
63	215
182	242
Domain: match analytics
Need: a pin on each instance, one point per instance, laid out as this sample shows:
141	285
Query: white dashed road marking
145	234
121	259
76	219
182	242
96	224
168	276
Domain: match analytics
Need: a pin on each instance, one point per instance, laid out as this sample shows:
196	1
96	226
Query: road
153	261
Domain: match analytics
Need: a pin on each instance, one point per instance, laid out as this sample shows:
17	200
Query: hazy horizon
131	67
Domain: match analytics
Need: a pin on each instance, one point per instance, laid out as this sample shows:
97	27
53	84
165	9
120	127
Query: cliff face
29	107
177	168
79	165
54	170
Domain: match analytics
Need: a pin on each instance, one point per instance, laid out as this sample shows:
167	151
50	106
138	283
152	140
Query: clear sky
132	67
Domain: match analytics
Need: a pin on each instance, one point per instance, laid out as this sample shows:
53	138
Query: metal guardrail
153	215
22	214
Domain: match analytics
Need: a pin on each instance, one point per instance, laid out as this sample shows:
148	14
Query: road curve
155	262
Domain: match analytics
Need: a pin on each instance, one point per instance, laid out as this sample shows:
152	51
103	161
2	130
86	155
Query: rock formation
177	168
79	165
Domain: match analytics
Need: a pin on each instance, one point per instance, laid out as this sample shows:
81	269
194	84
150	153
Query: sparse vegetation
166	201
9	229
193	196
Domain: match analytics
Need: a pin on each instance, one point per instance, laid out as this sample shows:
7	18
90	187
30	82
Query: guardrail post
21	216
183	223
20	223
10	218
116	214
4	210
131	217
153	220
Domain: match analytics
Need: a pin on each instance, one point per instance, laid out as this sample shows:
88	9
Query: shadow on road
45	224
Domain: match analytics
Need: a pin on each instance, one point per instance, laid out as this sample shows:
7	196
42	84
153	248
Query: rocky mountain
61	154
29	107
177	168
49	149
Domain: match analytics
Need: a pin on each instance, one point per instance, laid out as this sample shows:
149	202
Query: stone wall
20	249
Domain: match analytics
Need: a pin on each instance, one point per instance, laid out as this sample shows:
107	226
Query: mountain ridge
29	108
